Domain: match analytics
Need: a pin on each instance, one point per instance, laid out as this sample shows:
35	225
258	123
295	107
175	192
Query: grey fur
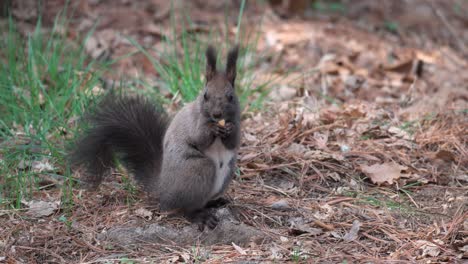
192	131
181	171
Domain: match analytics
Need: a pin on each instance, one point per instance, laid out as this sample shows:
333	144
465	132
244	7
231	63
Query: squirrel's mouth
216	119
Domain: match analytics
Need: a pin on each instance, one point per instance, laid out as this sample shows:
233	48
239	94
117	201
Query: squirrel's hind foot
203	218
217	203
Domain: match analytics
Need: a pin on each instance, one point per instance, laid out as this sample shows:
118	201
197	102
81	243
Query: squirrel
187	162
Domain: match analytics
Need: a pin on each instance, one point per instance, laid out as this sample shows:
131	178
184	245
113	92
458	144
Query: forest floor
358	154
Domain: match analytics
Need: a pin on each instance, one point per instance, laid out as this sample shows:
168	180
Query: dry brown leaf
283	93
403	67
249	137
445	155
428	248
353	232
42	208
144	213
239	249
296	149
324	212
42	166
328	116
355	111
321	140
381	173
249	156
430	58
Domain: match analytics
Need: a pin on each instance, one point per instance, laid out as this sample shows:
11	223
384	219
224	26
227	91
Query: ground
357	154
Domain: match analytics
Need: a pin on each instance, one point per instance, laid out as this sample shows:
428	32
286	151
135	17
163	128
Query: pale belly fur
221	157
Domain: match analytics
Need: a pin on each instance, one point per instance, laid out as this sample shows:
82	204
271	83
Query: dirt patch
227	232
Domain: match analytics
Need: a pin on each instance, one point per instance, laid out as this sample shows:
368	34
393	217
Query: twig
324	226
339	200
410	197
276	190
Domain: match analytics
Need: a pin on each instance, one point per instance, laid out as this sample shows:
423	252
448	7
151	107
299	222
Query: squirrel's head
218	99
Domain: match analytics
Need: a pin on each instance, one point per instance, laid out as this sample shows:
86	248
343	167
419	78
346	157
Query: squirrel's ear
210	63
231	64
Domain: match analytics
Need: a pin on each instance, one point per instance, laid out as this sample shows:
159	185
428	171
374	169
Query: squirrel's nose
217	115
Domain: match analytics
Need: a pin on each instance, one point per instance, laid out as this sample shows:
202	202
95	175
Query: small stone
280	205
345	148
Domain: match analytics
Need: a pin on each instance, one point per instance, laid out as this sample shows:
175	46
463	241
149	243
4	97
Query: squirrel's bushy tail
130	127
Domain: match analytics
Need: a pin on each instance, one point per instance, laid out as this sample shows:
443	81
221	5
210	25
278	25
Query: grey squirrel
188	161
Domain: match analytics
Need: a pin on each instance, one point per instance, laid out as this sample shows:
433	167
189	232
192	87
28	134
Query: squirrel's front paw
223	131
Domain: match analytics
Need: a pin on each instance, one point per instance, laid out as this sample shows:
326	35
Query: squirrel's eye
205	96
230	97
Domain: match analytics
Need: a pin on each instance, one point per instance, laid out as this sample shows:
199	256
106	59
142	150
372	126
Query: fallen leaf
464	248
400	133
321	140
381	173
249	156
185	257
99	44
296	148
355	111
42	165
239	249
403	66
427	57
310	119
353	82
334	175
22	165
283	93
428	248
275	253
144	213
325	212
353	232
249	137
41	208
445	155
299	226
174	259
329	116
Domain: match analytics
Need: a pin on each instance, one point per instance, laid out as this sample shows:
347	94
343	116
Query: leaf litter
360	156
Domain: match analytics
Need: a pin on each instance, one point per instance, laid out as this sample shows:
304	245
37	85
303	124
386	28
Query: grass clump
183	67
45	82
